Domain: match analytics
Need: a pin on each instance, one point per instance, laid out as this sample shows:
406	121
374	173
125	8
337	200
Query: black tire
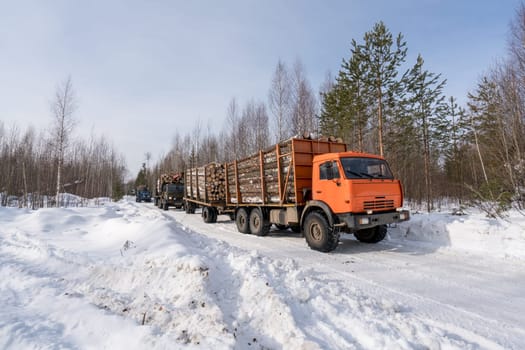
189	208
209	215
371	235
281	227
318	233
242	220
259	225
165	206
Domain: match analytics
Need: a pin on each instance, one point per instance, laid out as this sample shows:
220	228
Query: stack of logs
168	178
249	177
309	136
171	178
206	183
215	182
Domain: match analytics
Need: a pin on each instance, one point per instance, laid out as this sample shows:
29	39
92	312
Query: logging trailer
314	187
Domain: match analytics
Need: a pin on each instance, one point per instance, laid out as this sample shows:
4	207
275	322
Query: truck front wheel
371	235
318	233
258	224
242	221
166	206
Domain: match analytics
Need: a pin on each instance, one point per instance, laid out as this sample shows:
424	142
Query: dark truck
142	194
170	191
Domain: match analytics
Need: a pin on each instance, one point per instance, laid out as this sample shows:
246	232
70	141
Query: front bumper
362	221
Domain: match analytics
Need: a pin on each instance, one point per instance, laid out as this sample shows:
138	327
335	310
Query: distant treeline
378	102
28	171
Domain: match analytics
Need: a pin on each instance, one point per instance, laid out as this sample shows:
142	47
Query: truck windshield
174	188
368	168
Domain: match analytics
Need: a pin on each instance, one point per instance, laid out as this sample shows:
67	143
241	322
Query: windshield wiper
360	175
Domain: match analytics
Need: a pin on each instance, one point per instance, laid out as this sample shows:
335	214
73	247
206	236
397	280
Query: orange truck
315	187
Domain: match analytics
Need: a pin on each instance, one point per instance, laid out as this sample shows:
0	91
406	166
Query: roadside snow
129	276
472	233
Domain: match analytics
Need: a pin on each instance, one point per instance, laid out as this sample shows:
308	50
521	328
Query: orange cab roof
328	156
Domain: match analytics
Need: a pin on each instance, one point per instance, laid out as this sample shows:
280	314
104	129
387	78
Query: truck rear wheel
242	221
372	234
209	215
190	208
259	225
318	233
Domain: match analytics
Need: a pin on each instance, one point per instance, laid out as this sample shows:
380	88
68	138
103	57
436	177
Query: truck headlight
363	221
170	198
402	216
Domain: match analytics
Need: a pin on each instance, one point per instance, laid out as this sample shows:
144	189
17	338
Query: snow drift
128	276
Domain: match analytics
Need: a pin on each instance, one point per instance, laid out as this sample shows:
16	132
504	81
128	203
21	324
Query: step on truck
169	191
316	187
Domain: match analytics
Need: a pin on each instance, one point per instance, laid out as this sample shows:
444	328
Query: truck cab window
366	168
329	171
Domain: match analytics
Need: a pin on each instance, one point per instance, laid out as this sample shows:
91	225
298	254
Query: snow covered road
446	288
131	276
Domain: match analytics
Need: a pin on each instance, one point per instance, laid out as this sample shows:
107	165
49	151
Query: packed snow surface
131	276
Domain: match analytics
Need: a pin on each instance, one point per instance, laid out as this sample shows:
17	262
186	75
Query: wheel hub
315	230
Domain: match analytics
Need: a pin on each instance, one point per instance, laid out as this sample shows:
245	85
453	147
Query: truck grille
379	204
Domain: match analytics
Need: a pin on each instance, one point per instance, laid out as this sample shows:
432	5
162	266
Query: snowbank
128	276
473	233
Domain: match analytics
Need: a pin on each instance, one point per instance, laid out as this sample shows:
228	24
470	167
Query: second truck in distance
169	191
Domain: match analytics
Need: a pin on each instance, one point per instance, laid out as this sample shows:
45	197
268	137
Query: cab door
330	188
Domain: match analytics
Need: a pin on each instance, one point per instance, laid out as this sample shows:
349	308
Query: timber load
206	183
279	175
171	178
168	178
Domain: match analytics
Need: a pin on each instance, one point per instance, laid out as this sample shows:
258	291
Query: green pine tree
382	57
141	179
428	111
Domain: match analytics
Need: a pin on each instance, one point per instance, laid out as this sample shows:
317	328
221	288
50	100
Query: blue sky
144	70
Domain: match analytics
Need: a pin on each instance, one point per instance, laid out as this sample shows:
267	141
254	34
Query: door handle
318	191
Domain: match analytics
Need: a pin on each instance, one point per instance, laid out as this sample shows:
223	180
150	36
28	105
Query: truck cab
172	195
142	195
352	182
358	194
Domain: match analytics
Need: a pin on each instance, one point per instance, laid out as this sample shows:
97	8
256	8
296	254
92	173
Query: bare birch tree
279	101
63	107
303	116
